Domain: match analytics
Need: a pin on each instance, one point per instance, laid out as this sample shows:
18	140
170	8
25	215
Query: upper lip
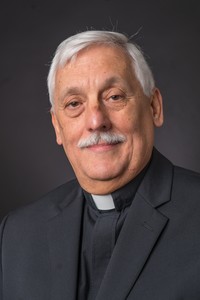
102	143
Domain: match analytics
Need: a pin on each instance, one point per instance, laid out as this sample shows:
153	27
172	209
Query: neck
100	187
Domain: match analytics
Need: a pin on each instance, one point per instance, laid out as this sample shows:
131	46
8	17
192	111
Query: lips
101	147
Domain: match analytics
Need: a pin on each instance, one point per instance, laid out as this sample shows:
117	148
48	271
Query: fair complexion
98	92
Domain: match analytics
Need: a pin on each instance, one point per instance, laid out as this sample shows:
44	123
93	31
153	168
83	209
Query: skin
98	92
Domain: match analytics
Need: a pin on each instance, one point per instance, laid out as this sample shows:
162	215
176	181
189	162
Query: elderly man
129	226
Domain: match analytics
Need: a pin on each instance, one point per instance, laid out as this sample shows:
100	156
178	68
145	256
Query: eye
74	107
116	97
73	104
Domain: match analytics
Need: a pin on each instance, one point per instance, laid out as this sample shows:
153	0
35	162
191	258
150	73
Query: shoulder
185	192
186	179
181	177
39	211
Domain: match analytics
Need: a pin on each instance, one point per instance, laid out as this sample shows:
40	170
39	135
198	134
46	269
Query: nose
97	118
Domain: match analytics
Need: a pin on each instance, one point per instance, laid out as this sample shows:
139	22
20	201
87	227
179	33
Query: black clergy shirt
100	231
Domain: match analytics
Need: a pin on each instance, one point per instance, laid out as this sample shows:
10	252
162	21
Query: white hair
70	47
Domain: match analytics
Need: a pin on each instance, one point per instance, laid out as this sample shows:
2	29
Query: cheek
71	134
130	123
139	129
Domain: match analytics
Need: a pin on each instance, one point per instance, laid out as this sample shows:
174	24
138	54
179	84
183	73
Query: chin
106	174
101	177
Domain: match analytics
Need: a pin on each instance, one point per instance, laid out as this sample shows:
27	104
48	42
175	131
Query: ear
57	128
157	108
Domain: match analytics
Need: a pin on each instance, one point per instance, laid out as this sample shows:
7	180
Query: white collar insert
103	202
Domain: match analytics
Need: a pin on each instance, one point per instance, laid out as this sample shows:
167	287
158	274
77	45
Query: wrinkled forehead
96	60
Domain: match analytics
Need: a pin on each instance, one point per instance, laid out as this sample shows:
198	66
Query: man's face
98	93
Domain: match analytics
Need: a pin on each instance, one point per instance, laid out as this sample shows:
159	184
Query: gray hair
70	47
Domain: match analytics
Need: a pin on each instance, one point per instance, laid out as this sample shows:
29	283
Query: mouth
102	146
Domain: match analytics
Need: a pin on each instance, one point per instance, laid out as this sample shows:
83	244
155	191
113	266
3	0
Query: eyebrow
68	92
110	81
77	90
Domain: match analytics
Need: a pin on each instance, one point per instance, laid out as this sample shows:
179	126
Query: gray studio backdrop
169	34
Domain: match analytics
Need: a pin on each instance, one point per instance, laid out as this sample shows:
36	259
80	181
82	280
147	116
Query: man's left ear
157	108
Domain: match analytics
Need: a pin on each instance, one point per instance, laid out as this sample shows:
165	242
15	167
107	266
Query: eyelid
114	92
72	98
68	104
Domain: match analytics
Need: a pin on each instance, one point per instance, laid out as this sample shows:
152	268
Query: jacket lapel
141	230
64	229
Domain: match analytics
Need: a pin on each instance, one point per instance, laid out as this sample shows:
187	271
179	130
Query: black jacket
157	255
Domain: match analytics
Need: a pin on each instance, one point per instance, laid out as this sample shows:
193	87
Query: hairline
61	59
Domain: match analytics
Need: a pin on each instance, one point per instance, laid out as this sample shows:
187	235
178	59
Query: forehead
97	57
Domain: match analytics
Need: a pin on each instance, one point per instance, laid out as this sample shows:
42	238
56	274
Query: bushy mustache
106	137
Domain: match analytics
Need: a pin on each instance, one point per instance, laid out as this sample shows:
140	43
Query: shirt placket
103	242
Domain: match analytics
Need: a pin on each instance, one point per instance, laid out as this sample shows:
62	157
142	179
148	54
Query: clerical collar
103	202
119	199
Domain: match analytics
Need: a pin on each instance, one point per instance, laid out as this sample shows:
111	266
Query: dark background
169	34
